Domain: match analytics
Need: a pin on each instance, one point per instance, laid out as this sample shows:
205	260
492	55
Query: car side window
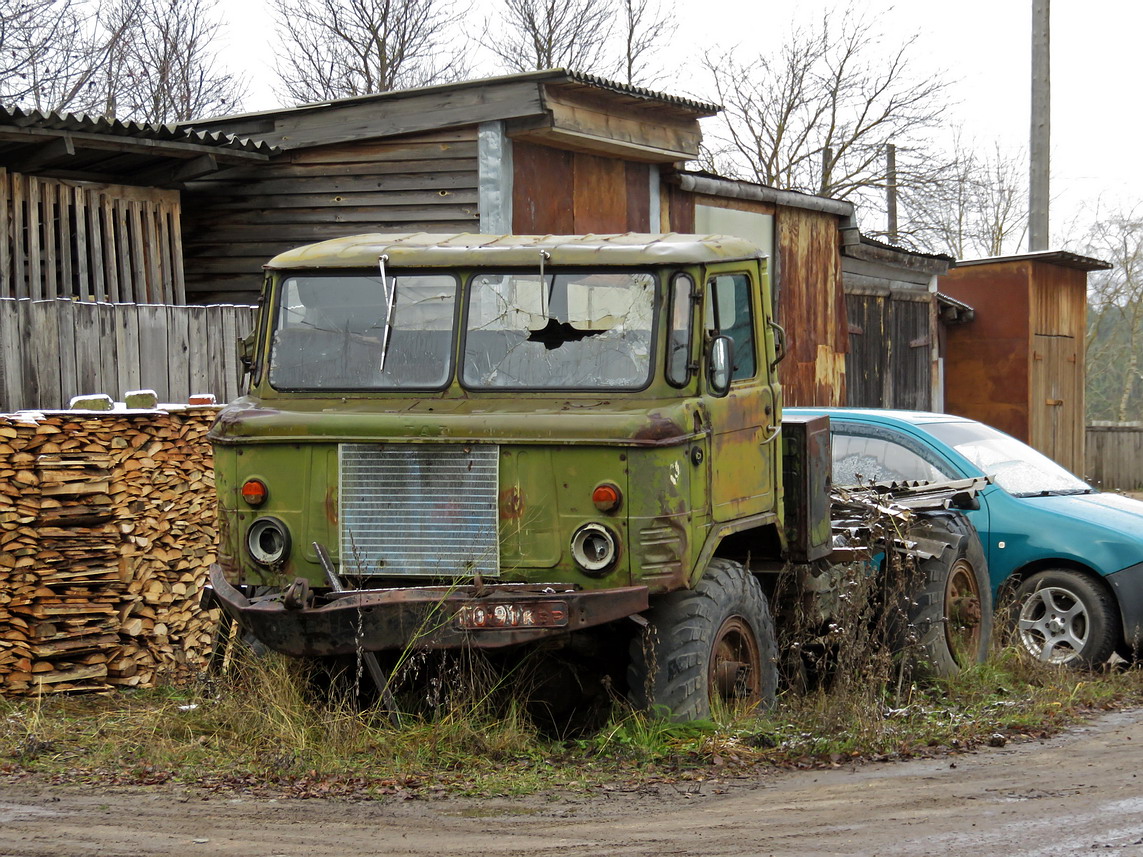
728	313
859	459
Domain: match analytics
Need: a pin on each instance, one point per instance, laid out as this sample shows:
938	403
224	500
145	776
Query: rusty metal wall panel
811	307
987	362
419	509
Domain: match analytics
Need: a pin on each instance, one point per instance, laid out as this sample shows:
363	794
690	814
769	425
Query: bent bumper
433	617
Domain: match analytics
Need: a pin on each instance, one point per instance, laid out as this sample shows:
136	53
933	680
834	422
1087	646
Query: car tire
1065	617
712	644
949	602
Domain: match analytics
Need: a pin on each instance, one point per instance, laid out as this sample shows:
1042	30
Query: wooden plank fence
1114	456
93	242
52	350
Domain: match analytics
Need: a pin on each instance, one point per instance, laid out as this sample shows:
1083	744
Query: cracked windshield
359	332
562	331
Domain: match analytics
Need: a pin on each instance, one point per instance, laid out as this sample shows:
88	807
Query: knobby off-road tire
715	642
1063	617
948	606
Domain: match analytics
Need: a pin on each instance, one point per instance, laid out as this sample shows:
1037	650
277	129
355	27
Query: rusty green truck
489	441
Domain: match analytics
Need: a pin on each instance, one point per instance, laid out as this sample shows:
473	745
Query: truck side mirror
720	365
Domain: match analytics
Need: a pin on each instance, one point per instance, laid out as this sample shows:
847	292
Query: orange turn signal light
254	492
606	497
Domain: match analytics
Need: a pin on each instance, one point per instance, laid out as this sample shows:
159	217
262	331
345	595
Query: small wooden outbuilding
1019	365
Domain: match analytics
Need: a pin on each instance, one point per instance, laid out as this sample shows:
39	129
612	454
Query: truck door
744	434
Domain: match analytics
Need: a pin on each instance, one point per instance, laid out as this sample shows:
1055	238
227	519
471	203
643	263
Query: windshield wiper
390	302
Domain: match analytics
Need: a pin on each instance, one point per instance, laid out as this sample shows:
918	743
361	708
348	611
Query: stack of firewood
106	535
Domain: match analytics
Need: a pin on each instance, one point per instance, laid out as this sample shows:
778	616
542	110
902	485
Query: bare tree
341	48
816	115
1114	340
43	51
645	26
977	208
148	60
159	63
538	34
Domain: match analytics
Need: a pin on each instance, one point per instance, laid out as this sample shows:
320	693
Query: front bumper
433	617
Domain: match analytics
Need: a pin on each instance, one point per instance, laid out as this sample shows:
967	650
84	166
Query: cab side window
729	312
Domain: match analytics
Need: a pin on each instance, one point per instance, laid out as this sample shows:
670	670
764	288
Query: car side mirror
720	365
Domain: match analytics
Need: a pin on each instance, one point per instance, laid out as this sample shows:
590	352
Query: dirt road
1078	793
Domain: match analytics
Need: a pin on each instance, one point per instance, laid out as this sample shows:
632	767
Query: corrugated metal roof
80	123
424	249
555	75
1062	258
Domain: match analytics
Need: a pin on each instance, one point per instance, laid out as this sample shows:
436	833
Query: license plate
532	614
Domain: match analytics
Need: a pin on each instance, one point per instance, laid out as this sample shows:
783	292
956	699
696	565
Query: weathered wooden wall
236	220
889	362
98	242
571	193
53	350
1114	456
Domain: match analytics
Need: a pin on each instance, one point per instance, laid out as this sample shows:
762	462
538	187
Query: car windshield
583	330
360	332
1014	466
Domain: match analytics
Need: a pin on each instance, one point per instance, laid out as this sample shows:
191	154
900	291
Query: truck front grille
419	509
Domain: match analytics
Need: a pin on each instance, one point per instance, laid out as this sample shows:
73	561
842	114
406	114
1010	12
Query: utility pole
1040	145
891	190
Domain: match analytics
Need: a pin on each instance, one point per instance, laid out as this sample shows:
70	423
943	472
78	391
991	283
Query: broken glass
583	330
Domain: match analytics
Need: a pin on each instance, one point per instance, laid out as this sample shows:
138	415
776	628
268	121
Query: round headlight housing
594	548
268	541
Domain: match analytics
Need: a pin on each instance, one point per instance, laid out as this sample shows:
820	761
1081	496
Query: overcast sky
981	45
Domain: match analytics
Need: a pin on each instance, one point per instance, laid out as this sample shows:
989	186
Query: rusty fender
436	617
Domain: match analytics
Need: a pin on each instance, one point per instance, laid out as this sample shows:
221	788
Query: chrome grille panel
419	509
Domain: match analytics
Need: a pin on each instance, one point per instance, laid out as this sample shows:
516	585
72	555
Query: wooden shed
1019	365
90	208
549	152
895	358
542	152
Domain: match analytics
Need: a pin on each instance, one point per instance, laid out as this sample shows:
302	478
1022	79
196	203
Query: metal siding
419	509
811	307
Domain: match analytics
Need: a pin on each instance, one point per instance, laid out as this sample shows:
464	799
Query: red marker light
254	492
606	497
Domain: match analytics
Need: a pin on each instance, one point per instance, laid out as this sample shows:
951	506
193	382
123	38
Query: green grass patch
262	731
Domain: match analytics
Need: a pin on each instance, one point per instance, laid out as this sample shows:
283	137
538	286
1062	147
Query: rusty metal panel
811	307
419	509
806	470
987	362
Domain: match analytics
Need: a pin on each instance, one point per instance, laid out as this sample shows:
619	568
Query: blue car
1071	556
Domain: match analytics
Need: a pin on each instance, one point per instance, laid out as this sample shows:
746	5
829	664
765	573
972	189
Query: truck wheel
715	642
1066	618
949	605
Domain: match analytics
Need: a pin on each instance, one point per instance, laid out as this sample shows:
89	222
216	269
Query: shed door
1057	400
889	362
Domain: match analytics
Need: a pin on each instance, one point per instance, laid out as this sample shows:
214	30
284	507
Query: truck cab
478	440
